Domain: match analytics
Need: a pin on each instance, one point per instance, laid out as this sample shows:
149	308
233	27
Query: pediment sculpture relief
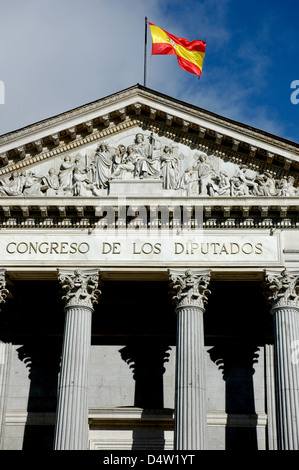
181	170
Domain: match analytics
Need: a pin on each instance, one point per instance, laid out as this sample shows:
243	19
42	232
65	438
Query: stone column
283	294
81	293
3	360
189	290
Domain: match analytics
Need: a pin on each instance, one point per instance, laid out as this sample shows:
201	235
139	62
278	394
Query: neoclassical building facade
149	269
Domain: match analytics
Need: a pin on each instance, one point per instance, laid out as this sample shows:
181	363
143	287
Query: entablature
142	212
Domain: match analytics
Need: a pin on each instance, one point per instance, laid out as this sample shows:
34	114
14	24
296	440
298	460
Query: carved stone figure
169	169
264	185
102	166
126	167
206	173
221	186
118	157
238	186
50	183
66	176
141	149
247	180
32	185
146	165
286	187
12	186
189	182
80	179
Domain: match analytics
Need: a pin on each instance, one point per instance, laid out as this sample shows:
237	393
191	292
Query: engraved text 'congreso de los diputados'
138	247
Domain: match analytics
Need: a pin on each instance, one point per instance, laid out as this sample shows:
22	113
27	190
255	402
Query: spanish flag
190	55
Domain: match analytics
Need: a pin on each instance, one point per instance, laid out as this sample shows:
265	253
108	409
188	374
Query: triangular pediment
141	143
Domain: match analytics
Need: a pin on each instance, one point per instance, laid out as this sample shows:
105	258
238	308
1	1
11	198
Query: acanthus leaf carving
282	289
189	288
80	287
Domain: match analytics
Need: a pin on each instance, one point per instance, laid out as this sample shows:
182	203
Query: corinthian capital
282	289
80	287
189	288
3	291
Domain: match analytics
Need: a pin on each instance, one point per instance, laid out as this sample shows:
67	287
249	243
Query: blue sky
56	55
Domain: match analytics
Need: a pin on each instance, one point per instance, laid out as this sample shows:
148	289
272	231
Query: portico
192	397
149	275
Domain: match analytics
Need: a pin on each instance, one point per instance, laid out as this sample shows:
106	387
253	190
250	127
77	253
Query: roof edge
163	96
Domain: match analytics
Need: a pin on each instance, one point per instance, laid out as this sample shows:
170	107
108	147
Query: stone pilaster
189	290
80	293
283	295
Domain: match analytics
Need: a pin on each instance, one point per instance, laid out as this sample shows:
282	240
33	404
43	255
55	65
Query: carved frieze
145	156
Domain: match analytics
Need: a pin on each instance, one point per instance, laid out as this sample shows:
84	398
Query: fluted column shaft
3	360
190	409
286	336
190	394
284	298
72	411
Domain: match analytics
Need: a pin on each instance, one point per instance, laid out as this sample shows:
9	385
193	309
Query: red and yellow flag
190	54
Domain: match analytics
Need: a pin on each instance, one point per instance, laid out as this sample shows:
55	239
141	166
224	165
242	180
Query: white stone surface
243	252
242	248
71	432
111	385
135	188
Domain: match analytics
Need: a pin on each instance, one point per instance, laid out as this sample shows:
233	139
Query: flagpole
145	47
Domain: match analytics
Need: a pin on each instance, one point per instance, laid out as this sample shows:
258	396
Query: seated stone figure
238	187
221	186
126	168
32	185
146	166
12	186
285	187
81	182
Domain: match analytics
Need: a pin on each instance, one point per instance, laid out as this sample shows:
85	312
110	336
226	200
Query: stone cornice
235	203
217	120
138	106
214	212
158	98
